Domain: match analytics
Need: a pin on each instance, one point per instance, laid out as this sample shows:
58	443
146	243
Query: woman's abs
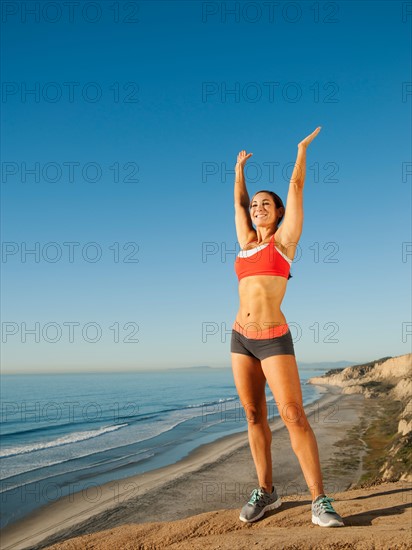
261	320
260	301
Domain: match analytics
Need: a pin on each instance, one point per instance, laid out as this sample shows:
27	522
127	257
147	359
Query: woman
261	344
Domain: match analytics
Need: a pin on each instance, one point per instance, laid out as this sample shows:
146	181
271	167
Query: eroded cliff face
389	378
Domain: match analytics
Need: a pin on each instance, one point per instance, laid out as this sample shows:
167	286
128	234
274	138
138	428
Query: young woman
261	344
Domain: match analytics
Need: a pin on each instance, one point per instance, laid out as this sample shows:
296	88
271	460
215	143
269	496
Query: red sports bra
265	259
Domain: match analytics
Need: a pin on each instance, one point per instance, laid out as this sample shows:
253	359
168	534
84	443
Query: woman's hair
277	200
278	203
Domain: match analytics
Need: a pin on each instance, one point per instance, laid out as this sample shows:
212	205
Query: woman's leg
281	372
250	384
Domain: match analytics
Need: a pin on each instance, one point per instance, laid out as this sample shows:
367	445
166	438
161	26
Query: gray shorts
262	348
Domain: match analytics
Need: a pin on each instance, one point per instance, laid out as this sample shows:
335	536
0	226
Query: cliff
389	435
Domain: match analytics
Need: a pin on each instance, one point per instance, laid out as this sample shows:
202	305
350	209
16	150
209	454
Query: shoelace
255	496
325	504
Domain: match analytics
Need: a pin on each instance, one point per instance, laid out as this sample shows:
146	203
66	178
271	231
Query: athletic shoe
260	502
323	513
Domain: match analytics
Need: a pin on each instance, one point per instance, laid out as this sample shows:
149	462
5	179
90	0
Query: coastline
214	476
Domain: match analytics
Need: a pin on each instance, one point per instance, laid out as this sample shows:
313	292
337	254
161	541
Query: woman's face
263	210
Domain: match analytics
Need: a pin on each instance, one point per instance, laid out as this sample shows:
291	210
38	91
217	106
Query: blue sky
126	149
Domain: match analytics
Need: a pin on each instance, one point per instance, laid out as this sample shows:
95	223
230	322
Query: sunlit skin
260	299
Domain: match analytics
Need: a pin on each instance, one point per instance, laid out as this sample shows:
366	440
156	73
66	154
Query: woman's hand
242	158
305	142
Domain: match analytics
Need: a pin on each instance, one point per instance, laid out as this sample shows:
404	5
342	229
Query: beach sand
214	481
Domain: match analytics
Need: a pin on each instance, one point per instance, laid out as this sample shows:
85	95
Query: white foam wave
210	403
65	440
8	486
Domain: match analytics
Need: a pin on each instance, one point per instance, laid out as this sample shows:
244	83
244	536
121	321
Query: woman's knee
255	414
294	417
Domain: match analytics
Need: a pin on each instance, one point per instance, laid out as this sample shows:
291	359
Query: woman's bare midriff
260	300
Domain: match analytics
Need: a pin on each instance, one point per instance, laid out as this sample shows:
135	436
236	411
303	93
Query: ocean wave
129	418
18	480
216	402
157	424
65	440
157	429
49	427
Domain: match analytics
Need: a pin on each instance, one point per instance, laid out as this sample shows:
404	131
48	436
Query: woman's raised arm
291	229
244	227
241	194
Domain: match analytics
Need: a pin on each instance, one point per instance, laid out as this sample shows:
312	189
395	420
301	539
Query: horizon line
109	370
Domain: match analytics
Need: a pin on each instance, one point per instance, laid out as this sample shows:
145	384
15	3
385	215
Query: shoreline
200	473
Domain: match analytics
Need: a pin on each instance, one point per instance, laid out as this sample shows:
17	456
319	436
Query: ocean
64	433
